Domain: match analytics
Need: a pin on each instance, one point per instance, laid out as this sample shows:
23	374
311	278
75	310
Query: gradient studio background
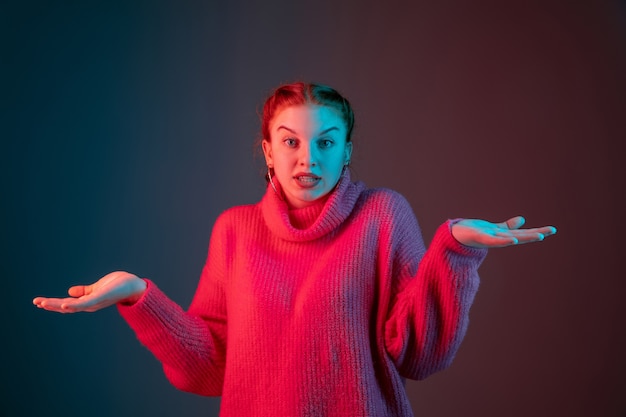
127	127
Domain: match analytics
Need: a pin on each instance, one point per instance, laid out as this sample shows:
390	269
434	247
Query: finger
66	305
79	290
496	241
527	236
51	304
37	301
513	223
87	307
85	303
534	234
547	230
40	301
91	302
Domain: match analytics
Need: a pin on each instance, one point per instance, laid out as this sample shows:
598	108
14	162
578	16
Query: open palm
113	288
483	234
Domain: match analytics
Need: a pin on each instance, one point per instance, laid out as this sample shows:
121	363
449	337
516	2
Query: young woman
321	298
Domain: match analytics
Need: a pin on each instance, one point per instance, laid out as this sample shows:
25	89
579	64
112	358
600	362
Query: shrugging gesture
113	288
483	234
322	294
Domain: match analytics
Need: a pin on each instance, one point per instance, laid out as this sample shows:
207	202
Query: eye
325	143
291	142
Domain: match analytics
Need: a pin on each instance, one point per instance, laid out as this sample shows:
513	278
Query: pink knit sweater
315	312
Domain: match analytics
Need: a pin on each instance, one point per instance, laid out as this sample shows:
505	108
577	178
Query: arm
191	348
430	315
190	345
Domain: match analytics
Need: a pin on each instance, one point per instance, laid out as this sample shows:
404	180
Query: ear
267	151
348	153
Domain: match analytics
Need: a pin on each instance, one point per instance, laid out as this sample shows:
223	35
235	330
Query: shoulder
388	209
385	200
237	216
390	213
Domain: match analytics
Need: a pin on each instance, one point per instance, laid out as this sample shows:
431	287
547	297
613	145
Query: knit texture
319	311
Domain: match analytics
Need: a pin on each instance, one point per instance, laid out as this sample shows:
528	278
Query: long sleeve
328	316
190	345
429	314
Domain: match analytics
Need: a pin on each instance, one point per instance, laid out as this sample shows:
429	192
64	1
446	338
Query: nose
307	155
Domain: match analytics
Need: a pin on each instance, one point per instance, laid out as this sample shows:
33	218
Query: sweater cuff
144	308
444	237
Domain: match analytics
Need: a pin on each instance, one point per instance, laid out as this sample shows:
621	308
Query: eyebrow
295	133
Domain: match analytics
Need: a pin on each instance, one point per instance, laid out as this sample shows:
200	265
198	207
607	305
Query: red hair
300	93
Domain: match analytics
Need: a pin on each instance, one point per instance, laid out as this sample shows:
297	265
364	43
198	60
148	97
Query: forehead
307	118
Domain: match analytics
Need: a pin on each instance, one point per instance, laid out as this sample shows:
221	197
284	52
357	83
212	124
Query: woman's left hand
483	234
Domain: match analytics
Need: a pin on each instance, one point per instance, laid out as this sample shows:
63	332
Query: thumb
78	291
514	223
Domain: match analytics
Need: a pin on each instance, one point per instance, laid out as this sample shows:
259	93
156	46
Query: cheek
282	159
337	161
283	164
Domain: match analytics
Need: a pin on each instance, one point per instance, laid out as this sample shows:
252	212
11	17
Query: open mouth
307	181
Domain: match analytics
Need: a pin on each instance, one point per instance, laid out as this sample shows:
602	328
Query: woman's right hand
116	287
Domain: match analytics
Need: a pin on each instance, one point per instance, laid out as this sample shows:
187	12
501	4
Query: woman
321	298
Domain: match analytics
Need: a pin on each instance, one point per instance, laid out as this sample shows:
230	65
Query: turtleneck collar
314	221
303	218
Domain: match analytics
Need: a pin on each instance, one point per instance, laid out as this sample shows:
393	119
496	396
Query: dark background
127	127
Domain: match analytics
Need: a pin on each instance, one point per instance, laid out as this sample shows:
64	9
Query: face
308	150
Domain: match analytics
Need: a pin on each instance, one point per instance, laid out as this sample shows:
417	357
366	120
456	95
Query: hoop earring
269	177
